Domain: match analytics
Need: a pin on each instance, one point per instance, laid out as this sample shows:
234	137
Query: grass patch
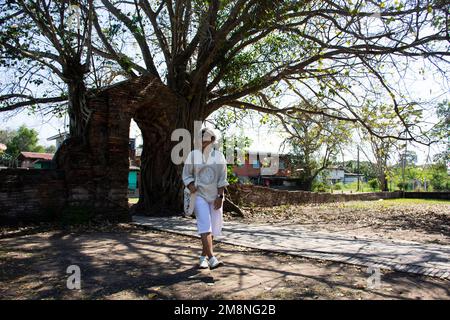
392	203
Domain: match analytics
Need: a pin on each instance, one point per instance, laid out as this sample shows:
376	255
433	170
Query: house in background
134	181
254	171
134	174
35	160
59	138
337	174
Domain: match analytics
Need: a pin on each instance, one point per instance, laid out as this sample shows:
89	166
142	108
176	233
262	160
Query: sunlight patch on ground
133	200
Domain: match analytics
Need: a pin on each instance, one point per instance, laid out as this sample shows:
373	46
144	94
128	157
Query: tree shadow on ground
149	265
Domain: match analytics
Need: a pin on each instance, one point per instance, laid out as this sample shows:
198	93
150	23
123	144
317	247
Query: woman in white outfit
205	172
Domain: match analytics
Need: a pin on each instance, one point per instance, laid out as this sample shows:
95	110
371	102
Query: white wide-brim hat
209	133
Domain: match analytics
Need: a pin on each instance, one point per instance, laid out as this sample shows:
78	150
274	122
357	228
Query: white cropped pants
208	219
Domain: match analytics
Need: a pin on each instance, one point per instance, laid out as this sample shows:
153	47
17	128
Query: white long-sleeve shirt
209	175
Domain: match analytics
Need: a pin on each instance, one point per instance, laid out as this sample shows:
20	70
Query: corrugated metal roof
37	155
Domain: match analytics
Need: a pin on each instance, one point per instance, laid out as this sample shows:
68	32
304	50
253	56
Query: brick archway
96	170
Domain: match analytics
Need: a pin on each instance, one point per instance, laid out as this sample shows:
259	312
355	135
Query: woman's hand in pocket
218	203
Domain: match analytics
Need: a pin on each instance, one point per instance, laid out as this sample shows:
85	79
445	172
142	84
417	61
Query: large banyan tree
180	60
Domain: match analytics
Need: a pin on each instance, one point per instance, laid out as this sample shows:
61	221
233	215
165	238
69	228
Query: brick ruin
258	196
92	177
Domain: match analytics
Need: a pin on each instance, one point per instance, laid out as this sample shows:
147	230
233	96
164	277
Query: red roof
37	155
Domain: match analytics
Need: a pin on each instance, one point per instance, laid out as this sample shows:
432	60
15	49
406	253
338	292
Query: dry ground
126	262
426	221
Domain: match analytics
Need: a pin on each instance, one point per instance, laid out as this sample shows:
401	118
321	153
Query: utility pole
404	165
357	168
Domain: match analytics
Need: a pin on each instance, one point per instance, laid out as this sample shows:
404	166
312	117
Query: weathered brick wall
97	172
33	195
428	195
249	195
92	176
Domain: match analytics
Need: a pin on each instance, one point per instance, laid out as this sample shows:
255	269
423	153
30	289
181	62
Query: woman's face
206	143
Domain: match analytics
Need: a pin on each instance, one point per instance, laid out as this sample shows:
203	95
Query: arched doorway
97	169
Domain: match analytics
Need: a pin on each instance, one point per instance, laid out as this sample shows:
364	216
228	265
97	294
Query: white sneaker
203	262
214	263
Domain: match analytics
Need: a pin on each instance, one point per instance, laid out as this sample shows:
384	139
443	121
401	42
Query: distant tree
442	131
23	139
409	157
6	136
366	168
383	148
50	149
440	180
315	142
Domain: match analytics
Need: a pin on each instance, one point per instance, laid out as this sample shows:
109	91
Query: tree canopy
335	56
22	139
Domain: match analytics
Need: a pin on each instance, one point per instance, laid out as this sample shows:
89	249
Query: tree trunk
79	113
307	177
383	182
161	189
161	185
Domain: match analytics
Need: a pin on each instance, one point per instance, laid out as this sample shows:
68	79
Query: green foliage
374	184
320	186
440	180
441	130
402	186
50	149
223	120
6	136
434	177
231	176
365	167
315	141
23	139
338	186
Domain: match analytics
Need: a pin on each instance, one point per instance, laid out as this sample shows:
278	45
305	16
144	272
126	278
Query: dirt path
130	263
405	256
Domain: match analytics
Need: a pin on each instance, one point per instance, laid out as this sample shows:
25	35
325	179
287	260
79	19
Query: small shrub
402	185
231	176
321	187
338	186
373	184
